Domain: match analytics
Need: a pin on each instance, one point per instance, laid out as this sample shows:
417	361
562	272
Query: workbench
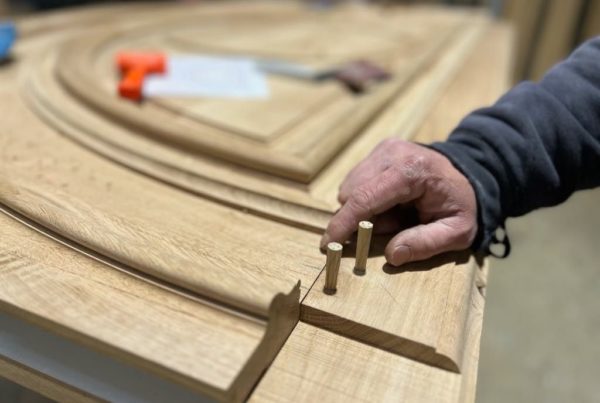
168	250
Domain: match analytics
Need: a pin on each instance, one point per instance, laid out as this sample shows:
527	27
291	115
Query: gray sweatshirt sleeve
537	145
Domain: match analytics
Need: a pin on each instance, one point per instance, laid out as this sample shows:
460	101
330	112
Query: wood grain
293	154
218	265
147	225
421	312
317	365
363	245
408	111
332	267
470	88
216	351
485	76
260	194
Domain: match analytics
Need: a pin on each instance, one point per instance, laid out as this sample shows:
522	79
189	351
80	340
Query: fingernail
401	255
324	241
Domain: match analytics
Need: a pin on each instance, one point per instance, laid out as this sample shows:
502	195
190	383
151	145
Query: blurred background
543	307
547	30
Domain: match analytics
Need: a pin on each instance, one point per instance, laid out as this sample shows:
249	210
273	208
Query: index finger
376	196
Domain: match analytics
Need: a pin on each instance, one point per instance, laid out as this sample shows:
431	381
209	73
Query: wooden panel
279	199
484	77
189	340
293	154
226	183
149	226
49	179
316	365
422	309
202	251
292	100
405	114
319	39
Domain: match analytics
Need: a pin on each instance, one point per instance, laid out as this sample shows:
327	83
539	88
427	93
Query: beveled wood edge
251	315
377	338
446	350
283	314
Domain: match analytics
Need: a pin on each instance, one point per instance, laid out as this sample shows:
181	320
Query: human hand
401	174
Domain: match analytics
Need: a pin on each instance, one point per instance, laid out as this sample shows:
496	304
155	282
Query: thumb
427	240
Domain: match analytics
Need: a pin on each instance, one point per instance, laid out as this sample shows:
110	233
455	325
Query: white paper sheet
208	76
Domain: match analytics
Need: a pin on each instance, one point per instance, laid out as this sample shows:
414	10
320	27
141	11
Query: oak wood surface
317	364
193	249
293	154
406	113
147	225
261	194
363	246
484	76
44	157
202	345
421	313
441	290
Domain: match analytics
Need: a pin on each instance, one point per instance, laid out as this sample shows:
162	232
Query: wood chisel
357	75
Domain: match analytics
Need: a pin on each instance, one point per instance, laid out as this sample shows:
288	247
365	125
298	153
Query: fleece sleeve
537	145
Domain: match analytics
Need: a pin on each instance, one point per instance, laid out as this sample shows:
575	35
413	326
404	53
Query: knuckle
362	198
415	166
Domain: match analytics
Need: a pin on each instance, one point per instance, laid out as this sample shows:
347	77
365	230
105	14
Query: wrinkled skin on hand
398	175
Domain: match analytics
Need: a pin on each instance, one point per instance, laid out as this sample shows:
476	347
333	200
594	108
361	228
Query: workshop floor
542	319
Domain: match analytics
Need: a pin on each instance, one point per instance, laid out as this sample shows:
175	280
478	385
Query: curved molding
60	288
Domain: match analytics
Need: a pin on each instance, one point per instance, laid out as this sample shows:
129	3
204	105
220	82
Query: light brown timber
363	244
268	195
202	345
142	226
317	365
332	267
305	370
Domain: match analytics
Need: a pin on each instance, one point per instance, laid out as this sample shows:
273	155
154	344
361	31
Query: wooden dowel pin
363	244
332	266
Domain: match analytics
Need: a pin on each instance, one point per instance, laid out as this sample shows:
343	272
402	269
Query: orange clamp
134	66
